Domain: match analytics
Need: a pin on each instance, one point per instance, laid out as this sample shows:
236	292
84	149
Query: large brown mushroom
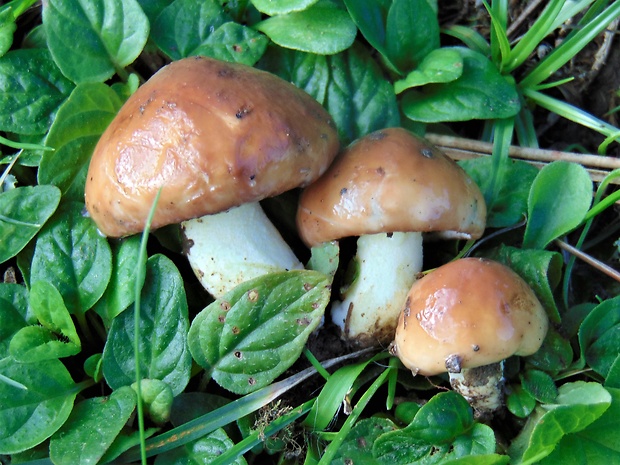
387	189
212	136
465	318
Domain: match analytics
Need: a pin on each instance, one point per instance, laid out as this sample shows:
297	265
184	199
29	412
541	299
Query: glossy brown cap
389	181
212	135
472	311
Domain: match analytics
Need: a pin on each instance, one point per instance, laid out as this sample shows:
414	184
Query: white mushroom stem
231	247
387	267
482	387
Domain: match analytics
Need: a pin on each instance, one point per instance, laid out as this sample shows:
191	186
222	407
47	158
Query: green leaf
120	292
333	394
91	428
7	29
599	336
323	29
539	385
480	93
442	418
519	402
359	98
509	207
555	355
184	25
307	71
541	269
163	332
440	65
256	331
157	398
486	459
36	406
31	90
109	34
279	7
203	450
55	338
412	32
598	443
357	447
325	258
74	134
234	42
577	405
23	212
559	200
442	429
71	253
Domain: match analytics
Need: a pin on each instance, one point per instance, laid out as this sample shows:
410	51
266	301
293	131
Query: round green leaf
234	42
184	25
480	93
163	352
279	7
559	199
599	336
31	89
71	253
359	98
90	40
322	29
79	124
120	292
33	408
23	212
256	331
91	428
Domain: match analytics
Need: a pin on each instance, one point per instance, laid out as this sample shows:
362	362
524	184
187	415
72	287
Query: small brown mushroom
465	318
388	188
212	136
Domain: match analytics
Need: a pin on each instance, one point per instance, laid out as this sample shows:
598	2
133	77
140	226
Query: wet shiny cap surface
391	181
212	135
470	312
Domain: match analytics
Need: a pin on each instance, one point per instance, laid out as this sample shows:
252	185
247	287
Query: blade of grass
259	436
472	39
570	47
229	413
500	47
332	449
598	206
333	393
502	138
571	112
140	271
535	34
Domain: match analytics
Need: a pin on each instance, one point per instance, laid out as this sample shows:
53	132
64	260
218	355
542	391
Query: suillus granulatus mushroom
465	318
387	189
216	138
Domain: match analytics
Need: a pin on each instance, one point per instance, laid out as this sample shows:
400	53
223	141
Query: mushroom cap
475	309
391	181
212	135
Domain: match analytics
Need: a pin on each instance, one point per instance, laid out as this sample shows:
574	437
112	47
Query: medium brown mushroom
465	318
212	136
387	188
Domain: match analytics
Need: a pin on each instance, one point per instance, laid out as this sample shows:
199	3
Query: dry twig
459	148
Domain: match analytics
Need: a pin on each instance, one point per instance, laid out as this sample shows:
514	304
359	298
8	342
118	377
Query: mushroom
465	318
216	138
387	188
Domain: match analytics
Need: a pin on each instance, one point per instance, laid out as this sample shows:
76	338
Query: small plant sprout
217	138
388	188
465	318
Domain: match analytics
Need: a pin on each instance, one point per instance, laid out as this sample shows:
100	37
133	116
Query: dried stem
459	148
590	260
